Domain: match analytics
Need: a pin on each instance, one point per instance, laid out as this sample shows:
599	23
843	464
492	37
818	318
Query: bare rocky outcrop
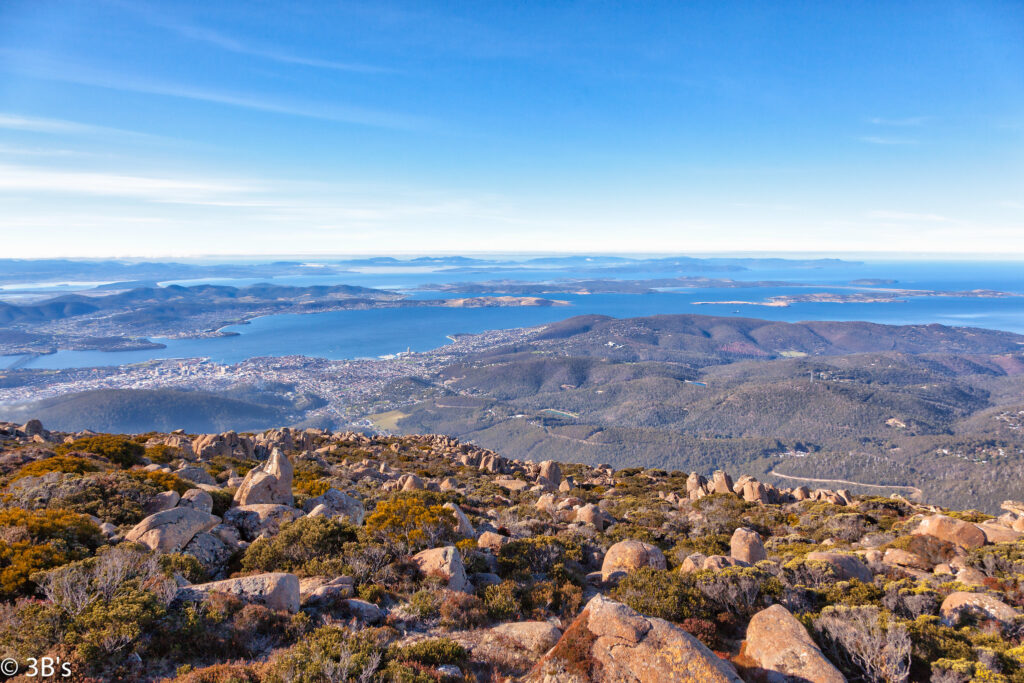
847	566
780	646
337	504
610	643
253	521
169	531
207	446
445	563
278	591
746	546
958	532
960	604
197	499
535	636
628	556
269	483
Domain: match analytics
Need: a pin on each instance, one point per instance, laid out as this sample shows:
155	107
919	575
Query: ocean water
373	333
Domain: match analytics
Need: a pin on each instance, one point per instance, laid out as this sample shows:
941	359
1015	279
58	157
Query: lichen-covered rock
211	551
278	591
614	644
445	563
956	605
197	499
338	504
169	531
779	644
535	636
252	521
628	556
196	475
165	500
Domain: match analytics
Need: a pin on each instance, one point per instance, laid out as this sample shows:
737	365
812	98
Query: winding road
915	492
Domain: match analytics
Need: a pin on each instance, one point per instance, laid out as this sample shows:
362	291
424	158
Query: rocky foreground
317	556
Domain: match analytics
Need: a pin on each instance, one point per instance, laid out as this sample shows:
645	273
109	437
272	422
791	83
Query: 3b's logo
43	667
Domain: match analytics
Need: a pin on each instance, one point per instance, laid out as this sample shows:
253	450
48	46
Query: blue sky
264	127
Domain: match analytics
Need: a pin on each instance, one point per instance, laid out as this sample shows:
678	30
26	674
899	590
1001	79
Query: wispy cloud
877	140
16	178
909	217
1011	204
35	124
44	67
909	121
158	17
230	44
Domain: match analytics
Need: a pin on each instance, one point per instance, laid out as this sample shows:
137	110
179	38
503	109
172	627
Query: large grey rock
746	546
277	591
445	563
270	483
535	636
197	499
627	556
847	566
463	525
780	645
338	504
165	500
169	531
252	521
613	643
196	475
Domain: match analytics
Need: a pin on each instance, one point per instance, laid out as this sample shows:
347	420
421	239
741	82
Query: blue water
372	333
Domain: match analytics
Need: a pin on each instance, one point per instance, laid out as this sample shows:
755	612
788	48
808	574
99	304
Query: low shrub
658	593
308	545
460	611
411	521
501	601
119	450
37	540
71	464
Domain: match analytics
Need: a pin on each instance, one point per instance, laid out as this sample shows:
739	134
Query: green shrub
433	652
186	565
740	591
327	654
304	546
537	555
165	481
118	449
501	601
424	603
666	595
